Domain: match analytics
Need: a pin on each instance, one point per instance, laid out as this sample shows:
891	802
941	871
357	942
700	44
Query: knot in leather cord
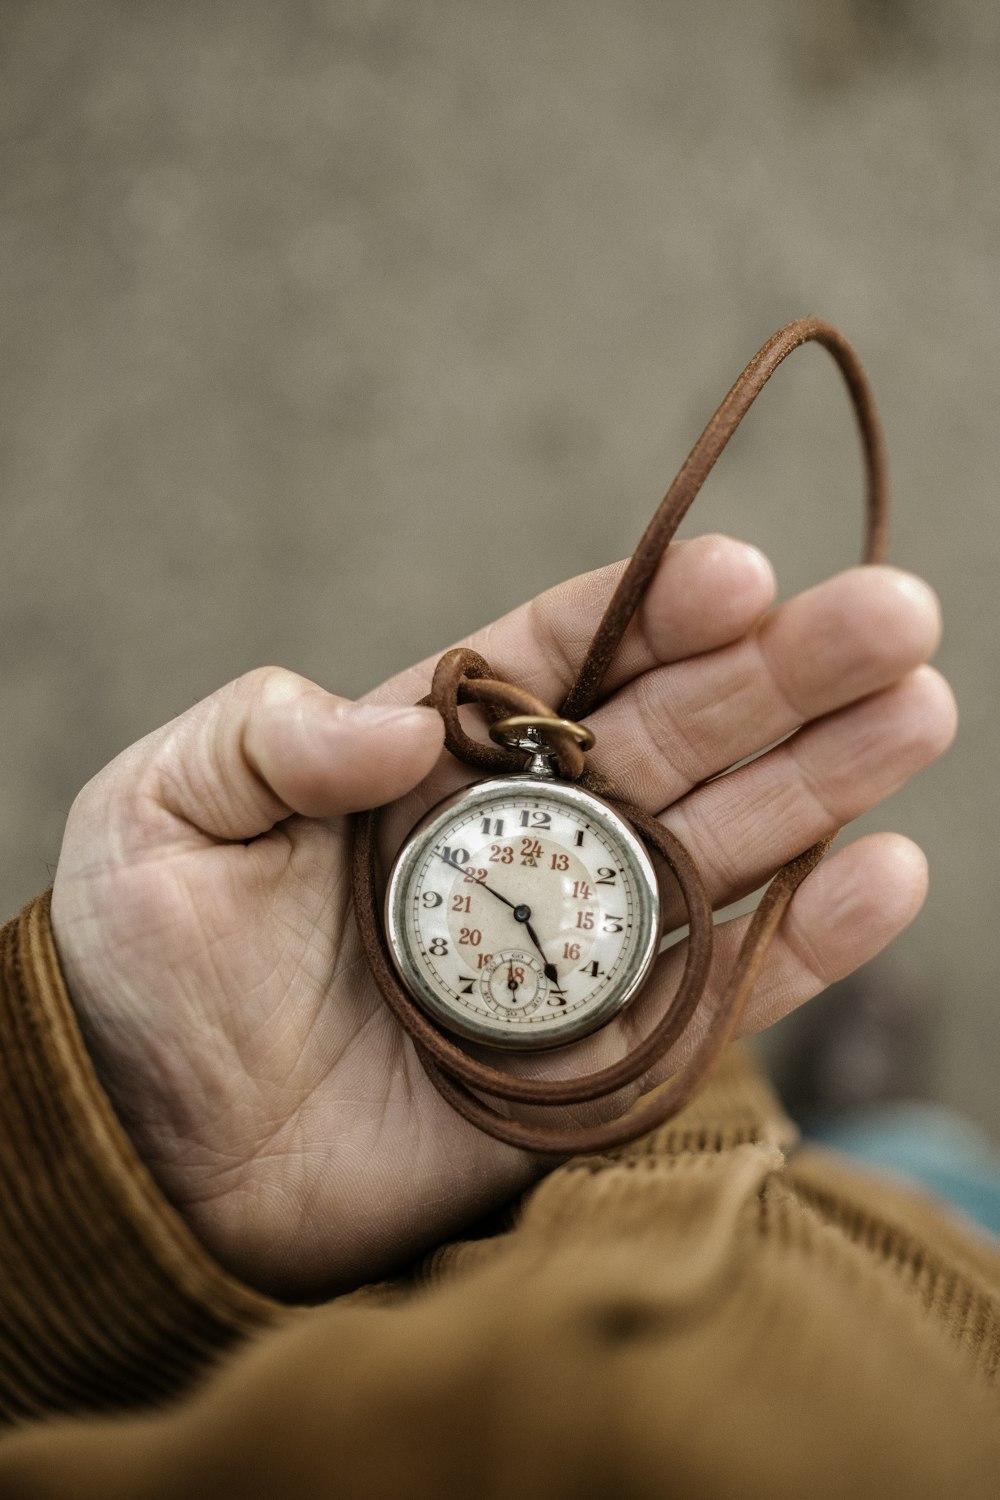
462	676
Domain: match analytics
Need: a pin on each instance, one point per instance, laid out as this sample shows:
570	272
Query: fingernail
760	562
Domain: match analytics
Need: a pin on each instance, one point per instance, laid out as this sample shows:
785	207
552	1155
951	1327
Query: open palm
202	902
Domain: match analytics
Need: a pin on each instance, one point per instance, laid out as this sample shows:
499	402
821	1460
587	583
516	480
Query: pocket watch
523	912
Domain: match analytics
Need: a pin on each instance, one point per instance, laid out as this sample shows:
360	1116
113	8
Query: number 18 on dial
522	912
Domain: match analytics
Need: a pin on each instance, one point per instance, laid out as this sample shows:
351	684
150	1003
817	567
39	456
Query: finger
844	639
271	744
706	592
846	912
742	827
851	906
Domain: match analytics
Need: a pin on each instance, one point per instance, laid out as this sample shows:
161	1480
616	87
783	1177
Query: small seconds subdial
514	982
522	912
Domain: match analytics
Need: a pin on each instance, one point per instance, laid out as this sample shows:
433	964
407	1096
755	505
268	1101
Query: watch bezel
645	943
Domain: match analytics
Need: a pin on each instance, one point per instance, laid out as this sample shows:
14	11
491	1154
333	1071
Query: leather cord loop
699	464
462	676
503	731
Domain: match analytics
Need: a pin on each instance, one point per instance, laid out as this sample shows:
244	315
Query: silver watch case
424	835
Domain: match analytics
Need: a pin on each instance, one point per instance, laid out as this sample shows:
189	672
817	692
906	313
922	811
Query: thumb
273	743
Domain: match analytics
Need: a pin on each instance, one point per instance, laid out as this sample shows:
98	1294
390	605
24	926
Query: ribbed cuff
106	1298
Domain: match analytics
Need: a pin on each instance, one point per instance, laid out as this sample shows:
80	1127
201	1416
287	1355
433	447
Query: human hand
202	905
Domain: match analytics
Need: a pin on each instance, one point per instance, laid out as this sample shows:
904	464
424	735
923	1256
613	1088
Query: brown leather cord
462	676
699	464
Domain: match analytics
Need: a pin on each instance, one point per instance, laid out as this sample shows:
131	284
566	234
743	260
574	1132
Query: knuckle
817	793
773	670
803	957
672	736
550	615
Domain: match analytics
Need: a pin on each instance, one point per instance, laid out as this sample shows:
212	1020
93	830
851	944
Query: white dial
522	912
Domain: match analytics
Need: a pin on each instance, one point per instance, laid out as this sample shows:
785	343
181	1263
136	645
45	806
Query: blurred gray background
330	330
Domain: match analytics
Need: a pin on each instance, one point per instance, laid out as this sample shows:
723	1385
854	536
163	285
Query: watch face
523	913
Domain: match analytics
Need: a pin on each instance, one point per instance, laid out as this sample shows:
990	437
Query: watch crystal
523	912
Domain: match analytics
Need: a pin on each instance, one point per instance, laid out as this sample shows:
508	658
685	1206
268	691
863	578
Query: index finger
706	593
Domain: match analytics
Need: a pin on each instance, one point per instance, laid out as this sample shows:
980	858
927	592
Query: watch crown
540	762
527	732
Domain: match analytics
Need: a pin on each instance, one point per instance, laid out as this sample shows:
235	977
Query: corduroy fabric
696	1314
107	1300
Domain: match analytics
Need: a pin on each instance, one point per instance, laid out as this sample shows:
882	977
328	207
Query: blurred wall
332	329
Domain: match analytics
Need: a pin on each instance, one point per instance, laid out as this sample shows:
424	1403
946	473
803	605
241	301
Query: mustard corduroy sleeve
106	1300
697	1315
